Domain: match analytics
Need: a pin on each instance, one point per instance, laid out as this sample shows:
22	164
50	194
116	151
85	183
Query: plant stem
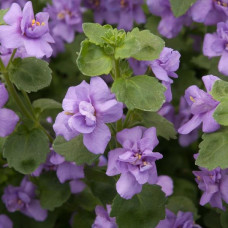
129	112
119	125
117	69
29	103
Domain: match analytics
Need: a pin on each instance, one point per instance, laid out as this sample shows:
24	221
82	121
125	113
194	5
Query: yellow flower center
192	99
34	22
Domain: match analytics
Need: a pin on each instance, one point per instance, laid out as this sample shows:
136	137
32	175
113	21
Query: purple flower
135	161
182	219
182	118
25	30
5	222
65	171
124	13
209	12
169	25
138	67
103	220
66	18
167	111
202	107
5	4
8	118
87	107
166	184
22	199
216	44
214	184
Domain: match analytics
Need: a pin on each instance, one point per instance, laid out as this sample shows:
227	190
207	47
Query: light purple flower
135	161
23	29
23	199
166	184
124	13
169	25
87	107
183	117
216	44
209	12
202	107
5	4
5	222
65	171
8	118
182	219
168	112
103	219
66	19
138	67
214	185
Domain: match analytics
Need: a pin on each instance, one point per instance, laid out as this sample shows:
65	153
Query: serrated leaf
221	113
92	60
150	45
45	104
30	74
143	210
140	92
220	90
25	151
180	7
52	193
74	150
95	32
213	150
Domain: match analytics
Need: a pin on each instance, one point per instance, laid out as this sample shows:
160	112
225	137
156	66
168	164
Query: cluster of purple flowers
8	118
120	12
23	199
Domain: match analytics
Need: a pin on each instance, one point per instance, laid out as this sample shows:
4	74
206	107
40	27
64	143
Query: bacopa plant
114	113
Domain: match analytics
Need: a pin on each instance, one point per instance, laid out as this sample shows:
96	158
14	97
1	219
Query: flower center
123	3
221	3
37	23
192	99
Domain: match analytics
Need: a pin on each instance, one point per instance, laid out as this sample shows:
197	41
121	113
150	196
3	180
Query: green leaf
92	60
74	150
220	90
83	219
26	150
30	74
180	7
95	32
151	45
129	47
45	104
181	203
213	150
224	219
164	127
52	193
140	92
102	186
2	14
143	210
221	113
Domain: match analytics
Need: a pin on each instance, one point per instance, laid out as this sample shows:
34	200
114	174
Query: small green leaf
220	90
213	150
143	210
74	150
180	7
30	74
95	32
164	127
25	151
150	45
140	92
52	193
45	104
221	113
92	60
129	47
2	14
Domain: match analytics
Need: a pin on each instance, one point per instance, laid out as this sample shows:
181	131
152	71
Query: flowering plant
91	90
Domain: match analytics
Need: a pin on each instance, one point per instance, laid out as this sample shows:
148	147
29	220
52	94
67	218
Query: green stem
119	125
117	69
129	112
11	58
29	103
